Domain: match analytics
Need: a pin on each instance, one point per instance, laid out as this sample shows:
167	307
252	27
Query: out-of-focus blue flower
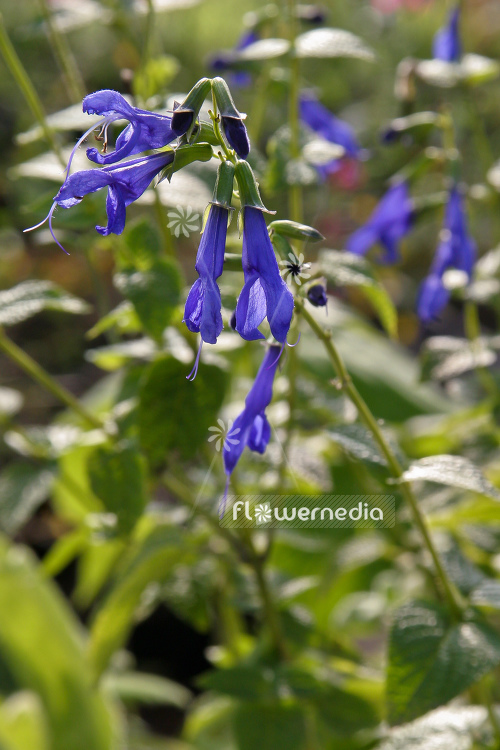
227	60
203	306
456	250
390	221
264	292
447	45
324	123
251	428
125	182
146	130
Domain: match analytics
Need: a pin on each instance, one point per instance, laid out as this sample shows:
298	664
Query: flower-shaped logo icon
294	269
183	221
263	513
224	437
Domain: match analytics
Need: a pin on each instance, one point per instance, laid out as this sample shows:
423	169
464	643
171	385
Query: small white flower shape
183	221
293	269
224	437
263	513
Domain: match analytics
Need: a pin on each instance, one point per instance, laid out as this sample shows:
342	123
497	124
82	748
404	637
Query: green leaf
11	401
455	471
118	478
328	43
123	318
295	230
149	689
23	488
432	660
487	594
264	49
445	357
148	562
268	726
114	356
155	294
43	646
175	414
155	76
443	729
23	723
31	297
357	441
348	269
245	682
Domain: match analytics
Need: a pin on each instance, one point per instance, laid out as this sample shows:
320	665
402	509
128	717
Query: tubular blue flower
447	45
317	296
264	292
251	428
146	130
125	182
391	220
324	123
456	250
228	60
203	306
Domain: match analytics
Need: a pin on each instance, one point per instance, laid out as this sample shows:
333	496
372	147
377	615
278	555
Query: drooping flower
146	130
228	60
185	113
125	182
231	119
251	428
265	293
324	123
390	221
447	45
456	250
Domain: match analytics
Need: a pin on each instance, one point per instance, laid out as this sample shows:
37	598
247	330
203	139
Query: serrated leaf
264	49
268	726
23	488
244	682
175	414
348	269
357	441
443	729
432	660
455	471
332	43
149	689
31	297
445	357
155	294
118	478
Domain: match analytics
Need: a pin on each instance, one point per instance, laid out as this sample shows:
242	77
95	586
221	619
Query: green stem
271	615
486	697
22	79
230	155
473	332
62	50
451	594
149	35
33	369
295	191
161	217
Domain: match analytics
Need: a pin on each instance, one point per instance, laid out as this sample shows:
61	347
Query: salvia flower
447	45
231	120
456	250
203	306
146	130
185	113
317	296
388	224
125	182
251	428
324	123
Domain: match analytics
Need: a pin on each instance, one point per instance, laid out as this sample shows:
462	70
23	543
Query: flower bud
232	120
185	113
317	295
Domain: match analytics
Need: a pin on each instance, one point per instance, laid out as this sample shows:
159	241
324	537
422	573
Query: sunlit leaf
332	43
31	297
455	471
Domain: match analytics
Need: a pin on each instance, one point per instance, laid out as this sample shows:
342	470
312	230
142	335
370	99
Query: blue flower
324	123
391	220
125	182
264	292
456	250
203	306
227	61
447	45
146	130
236	134
251	428
317	296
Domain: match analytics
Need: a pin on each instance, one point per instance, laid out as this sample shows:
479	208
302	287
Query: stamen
194	371
104	122
277	358
292	345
